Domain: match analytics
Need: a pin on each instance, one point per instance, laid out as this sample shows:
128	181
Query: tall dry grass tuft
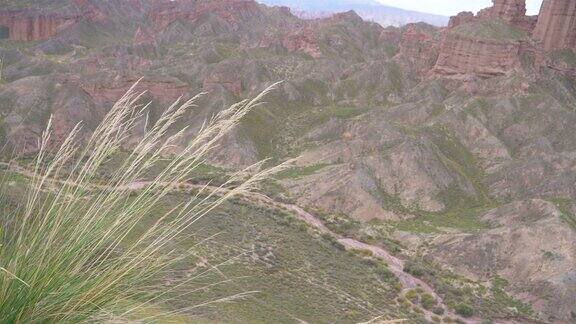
70	254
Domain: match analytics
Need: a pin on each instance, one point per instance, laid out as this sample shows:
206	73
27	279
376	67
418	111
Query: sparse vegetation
502	298
491	29
563	204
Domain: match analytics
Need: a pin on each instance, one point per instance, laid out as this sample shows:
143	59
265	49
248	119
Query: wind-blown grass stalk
69	255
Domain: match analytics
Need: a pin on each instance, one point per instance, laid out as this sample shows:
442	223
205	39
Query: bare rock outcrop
487	44
418	48
556	27
511	11
29	25
461	19
483	57
303	41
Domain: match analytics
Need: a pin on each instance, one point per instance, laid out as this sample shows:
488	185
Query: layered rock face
483	57
32	26
486	44
556	27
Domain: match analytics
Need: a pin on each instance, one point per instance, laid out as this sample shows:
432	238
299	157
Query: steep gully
395	264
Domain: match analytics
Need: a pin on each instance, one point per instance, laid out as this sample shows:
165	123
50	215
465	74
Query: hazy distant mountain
367	9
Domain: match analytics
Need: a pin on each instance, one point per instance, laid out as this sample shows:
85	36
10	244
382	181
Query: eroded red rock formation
512	12
303	41
34	25
556	27
462	18
486	58
419	48
507	10
25	25
469	54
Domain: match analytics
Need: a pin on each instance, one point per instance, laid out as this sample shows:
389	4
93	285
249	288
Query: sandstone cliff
489	43
485	58
486	49
556	27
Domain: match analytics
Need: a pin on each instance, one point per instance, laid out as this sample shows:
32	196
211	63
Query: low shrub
464	310
414	269
427	301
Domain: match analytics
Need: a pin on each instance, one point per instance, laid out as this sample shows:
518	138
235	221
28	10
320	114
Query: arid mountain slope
459	141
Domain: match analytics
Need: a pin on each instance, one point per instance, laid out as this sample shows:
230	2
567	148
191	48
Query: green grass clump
414	269
73	252
427	301
464	310
430	222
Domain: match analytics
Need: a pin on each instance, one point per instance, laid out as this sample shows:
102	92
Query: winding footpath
395	264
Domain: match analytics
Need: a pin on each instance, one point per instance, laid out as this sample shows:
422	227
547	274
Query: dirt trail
395	264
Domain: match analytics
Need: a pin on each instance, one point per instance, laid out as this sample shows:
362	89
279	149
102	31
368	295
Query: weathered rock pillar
556	26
